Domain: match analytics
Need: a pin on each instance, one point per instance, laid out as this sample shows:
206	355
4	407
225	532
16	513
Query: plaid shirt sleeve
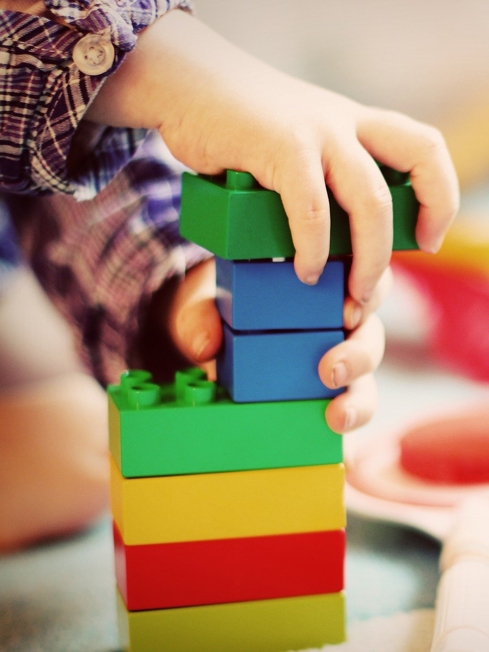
104	237
44	95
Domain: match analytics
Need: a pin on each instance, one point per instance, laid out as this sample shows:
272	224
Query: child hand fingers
360	189
303	192
198	331
410	146
194	322
355	313
358	355
355	407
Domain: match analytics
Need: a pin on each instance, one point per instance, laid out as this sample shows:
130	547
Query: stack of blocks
227	497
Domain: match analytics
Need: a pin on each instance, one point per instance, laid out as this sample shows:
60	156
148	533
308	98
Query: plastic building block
266	295
264	626
175	436
281	366
227	505
237	219
191	573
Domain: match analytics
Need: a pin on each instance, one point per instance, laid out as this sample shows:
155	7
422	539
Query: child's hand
217	107
195	327
351	364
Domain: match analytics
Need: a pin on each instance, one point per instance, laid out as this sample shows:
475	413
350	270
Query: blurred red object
451	449
458	302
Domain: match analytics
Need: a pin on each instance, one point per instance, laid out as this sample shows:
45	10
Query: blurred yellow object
466	133
466	248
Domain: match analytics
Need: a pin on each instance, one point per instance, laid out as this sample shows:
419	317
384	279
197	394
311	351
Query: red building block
159	576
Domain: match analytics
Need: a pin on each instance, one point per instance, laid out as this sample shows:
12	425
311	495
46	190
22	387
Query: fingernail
436	246
200	343
367	295
350	417
340	375
354	317
312	279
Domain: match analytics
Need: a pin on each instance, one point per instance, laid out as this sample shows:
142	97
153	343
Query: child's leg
53	430
53	459
35	341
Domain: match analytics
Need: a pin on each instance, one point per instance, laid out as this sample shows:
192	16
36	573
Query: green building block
236	219
260	626
192	426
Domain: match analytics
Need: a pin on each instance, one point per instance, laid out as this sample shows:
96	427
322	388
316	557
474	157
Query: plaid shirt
43	94
104	233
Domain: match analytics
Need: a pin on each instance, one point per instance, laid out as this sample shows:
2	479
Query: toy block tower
227	497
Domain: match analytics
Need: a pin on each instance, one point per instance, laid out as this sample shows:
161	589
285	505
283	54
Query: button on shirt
49	71
93	54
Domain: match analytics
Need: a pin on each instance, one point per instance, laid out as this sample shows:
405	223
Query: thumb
194	322
198	331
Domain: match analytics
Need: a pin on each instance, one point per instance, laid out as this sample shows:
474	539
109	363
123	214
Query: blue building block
266	295
274	366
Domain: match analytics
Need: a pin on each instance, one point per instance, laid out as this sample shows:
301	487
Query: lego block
176	436
265	295
281	366
236	219
192	573
263	625
227	505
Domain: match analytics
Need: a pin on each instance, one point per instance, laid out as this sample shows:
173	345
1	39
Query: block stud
183	378
144	395
200	392
134	377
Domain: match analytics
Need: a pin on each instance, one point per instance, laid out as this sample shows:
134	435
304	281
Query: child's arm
217	107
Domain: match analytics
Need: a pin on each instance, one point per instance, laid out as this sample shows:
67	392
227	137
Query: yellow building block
227	505
260	626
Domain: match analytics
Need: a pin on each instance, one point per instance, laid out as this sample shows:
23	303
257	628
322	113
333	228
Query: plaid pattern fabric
101	260
43	95
104	239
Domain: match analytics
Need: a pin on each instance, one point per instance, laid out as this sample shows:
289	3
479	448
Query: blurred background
431	61
426	58
422	57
